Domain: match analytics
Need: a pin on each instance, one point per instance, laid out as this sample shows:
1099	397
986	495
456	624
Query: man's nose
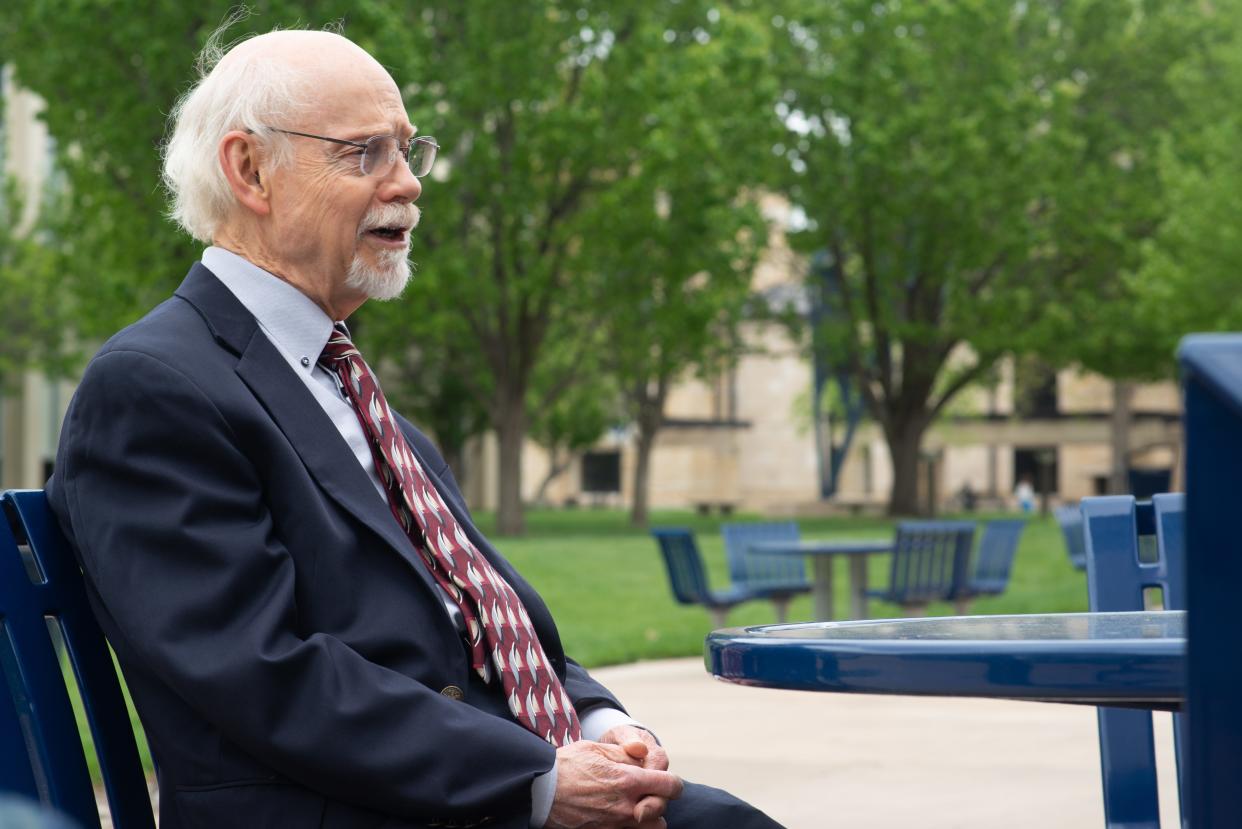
401	185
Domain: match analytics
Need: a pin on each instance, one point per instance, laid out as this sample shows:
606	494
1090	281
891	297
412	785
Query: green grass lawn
606	584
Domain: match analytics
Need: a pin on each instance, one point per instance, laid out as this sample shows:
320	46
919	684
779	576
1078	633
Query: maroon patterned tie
498	628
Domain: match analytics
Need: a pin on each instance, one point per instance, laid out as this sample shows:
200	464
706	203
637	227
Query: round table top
1098	658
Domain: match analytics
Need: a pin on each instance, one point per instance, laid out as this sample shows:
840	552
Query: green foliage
595	154
32	287
1127	98
1188	280
575	419
979	173
562	122
109	72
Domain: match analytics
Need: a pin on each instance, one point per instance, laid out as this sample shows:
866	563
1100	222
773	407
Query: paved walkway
869	762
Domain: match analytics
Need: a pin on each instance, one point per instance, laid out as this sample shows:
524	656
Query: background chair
929	563
1118	531
779	577
1069	517
993	561
42	599
688	577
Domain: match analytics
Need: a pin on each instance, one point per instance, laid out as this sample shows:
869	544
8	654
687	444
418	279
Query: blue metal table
821	554
1126	659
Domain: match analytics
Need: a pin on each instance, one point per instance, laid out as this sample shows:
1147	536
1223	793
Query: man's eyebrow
391	129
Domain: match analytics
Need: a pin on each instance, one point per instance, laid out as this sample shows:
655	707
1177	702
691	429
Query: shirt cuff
542	791
601	718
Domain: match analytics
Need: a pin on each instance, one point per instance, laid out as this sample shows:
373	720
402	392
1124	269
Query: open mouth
389	234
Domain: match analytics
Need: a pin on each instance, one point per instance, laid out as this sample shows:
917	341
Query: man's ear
239	159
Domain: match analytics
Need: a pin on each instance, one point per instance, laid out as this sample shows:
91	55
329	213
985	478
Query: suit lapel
325	454
296	412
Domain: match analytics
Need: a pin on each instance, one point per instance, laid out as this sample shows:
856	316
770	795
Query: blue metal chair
1069	517
688	577
780	578
1118	531
993	561
1210	366
41	590
929	563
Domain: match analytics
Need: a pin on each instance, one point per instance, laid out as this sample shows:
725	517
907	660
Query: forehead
360	99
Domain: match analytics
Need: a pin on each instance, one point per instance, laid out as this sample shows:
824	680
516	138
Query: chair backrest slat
929	561
1069	518
994	559
686	573
1115	528
36	673
757	569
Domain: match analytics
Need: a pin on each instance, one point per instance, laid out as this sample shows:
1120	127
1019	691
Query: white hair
247	92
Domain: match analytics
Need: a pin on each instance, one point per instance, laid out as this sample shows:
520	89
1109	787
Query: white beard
383	281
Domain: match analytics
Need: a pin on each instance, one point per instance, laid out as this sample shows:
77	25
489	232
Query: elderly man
313	630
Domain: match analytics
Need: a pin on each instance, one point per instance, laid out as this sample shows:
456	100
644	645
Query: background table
822	553
1131	659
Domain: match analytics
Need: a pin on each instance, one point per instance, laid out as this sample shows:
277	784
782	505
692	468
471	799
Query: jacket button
453	692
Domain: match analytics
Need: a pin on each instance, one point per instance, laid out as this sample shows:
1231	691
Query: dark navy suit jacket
288	653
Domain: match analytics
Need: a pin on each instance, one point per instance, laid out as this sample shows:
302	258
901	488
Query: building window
601	472
1037	465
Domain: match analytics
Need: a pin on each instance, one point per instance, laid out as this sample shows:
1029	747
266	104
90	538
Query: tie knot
338	348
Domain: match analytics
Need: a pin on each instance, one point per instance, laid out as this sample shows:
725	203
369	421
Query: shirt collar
291	320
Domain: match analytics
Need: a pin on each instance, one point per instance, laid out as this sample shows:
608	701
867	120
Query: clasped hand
620	782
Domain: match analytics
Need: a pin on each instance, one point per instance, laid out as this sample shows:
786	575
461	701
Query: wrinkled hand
641	745
603	786
627	736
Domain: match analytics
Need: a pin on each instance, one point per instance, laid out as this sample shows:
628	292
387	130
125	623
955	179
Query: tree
428	356
680	278
34	301
109	72
1113	198
1188	278
578	417
940	154
548	112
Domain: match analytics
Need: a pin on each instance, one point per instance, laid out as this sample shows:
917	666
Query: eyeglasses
379	152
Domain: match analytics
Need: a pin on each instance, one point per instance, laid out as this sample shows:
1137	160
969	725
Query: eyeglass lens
382	151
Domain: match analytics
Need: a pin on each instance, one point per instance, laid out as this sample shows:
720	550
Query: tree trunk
511	434
639	509
647	399
905	437
556	467
1122	417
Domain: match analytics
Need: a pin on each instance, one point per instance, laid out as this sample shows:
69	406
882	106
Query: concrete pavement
839	760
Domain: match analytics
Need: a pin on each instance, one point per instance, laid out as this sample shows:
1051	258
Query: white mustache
391	215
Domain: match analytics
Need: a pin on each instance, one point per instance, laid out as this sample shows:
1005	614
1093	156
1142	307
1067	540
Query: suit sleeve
179	547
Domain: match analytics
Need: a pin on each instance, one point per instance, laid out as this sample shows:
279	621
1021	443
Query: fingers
635	748
658	783
649	809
